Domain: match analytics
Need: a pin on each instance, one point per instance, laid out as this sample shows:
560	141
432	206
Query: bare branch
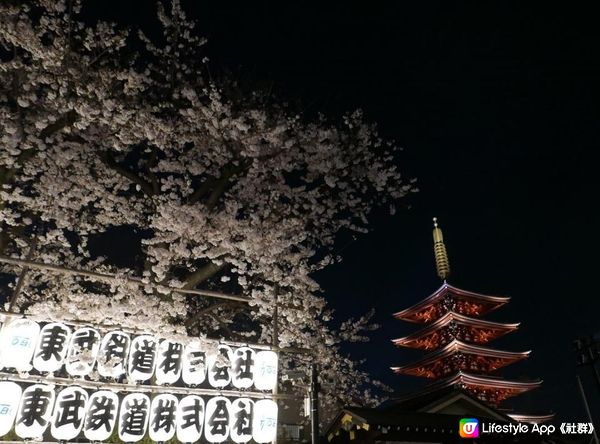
111	163
210	309
67	119
203	274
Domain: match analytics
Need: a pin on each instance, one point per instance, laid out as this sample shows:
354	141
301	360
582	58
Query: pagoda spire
442	264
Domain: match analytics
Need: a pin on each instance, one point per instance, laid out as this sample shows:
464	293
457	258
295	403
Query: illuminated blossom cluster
226	191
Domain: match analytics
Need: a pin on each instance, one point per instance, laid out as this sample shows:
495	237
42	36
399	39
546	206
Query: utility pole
275	338
587	406
314	403
588	354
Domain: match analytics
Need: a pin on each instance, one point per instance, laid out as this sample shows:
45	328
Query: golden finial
442	264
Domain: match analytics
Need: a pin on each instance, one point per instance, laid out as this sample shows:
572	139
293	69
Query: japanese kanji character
35	405
221	372
242	365
69	410
100	413
85	339
243	418
220	419
192	414
197	361
143	356
171	358
116	347
52	343
163	416
134	417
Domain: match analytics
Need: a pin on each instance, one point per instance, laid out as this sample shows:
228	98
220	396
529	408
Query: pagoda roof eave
489	381
498	300
482	381
462	319
459	346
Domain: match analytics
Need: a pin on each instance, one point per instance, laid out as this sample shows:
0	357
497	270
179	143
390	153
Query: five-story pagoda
456	340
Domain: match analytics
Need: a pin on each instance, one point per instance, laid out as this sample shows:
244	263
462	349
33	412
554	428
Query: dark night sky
496	106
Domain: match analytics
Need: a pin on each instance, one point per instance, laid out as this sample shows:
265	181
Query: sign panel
9	403
101	415
219	366
169	361
113	354
51	347
35	411
243	367
163	414
241	420
264	422
72	413
18	339
216	426
142	357
83	349
265	371
190	418
133	418
194	364
69	412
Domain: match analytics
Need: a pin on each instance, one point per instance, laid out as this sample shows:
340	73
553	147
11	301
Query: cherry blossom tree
102	127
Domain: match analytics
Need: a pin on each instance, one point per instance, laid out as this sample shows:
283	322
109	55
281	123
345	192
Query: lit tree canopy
102	128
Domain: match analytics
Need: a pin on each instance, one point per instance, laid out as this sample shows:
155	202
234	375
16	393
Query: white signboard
133	417
35	411
219	367
69	413
190	418
264	422
216	424
51	347
113	354
168	362
73	413
240	420
163	415
18	339
10	395
83	349
101	415
142	358
194	364
265	370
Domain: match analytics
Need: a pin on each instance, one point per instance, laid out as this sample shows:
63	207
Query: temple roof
443	361
465	302
429	338
532	419
425	418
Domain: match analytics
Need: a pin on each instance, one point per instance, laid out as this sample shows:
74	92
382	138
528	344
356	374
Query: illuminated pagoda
457	339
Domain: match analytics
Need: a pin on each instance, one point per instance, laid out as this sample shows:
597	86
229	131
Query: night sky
496	106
